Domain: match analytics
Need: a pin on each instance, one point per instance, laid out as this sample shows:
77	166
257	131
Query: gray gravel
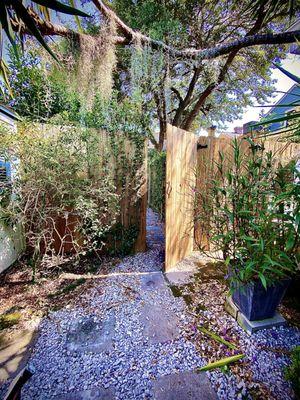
132	362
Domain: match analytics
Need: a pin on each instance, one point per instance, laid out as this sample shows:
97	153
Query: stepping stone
179	277
160	325
153	281
15	353
184	386
92	394
92	336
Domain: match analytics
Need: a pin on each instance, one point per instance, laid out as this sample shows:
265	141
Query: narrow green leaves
222	363
217	338
60	7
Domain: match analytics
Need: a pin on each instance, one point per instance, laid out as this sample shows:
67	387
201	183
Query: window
5	174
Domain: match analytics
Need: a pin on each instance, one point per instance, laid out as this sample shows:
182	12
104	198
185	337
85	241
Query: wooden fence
208	153
128	168
123	159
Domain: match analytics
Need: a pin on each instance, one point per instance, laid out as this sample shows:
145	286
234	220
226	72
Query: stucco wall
11	245
11	241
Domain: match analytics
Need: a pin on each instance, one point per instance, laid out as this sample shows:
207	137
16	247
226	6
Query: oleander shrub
249	210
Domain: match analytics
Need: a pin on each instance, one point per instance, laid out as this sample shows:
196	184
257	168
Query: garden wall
208	153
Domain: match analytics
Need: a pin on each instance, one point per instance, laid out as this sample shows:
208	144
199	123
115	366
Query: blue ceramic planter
257	303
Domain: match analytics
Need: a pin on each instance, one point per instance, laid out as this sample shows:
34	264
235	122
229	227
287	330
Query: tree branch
187	98
177	93
231	56
197	54
47	28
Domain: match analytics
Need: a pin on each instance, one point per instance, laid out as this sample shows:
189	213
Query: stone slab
252	326
231	308
92	394
92	335
184	386
15	354
153	281
160	324
179	277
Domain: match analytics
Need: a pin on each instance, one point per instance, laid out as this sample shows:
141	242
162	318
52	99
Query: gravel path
260	374
142	336
130	338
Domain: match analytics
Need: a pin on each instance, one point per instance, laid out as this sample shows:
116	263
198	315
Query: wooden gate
180	183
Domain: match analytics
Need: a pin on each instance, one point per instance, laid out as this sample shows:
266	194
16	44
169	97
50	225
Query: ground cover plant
293	371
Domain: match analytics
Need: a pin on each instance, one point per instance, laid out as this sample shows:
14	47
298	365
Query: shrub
63	195
250	213
292	372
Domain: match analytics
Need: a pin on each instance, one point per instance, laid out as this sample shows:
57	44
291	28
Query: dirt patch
23	301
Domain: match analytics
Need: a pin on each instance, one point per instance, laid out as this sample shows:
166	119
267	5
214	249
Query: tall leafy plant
250	213
63	193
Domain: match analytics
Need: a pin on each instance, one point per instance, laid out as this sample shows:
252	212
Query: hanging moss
96	64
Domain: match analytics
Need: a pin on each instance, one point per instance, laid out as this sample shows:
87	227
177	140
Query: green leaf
263	280
244	213
290	241
216	337
6	25
4	75
289	117
29	22
227	261
222	362
76	17
60	7
261	244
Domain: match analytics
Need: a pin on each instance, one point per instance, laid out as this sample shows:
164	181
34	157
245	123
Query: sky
292	64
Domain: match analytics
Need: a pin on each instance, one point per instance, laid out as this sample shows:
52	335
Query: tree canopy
187	63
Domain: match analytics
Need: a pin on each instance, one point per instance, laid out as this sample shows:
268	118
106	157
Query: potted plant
250	215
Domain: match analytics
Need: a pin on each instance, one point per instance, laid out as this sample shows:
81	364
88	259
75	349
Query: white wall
11	245
11	241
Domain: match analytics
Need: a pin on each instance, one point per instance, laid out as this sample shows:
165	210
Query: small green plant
292	372
68	288
120	240
250	213
8	320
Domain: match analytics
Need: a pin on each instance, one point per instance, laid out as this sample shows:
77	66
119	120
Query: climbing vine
71	188
157	179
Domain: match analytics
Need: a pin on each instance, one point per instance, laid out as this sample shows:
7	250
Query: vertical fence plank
180	182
